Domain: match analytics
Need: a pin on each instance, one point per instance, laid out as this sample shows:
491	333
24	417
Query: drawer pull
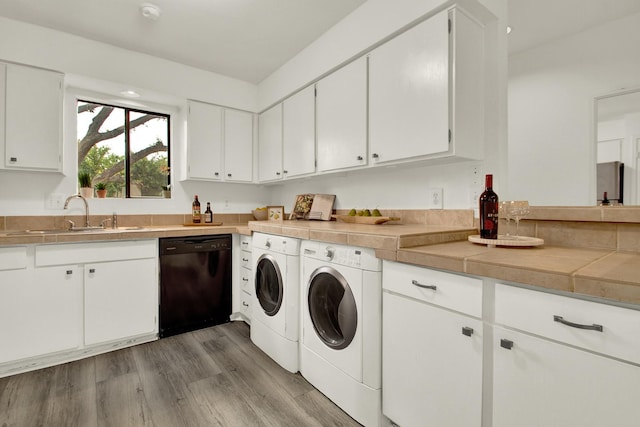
593	327
420	285
69	272
245	279
467	331
92	270
508	344
245	260
245	304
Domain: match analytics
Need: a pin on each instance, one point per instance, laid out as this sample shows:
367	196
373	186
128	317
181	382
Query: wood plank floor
211	377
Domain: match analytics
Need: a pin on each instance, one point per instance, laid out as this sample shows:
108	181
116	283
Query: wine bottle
195	211
208	214
605	200
489	211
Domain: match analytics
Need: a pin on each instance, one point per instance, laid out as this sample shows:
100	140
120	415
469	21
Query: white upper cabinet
270	144
341	111
238	146
216	133
299	134
32	104
425	91
204	150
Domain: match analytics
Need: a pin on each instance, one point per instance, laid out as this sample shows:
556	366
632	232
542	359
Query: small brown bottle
208	214
196	217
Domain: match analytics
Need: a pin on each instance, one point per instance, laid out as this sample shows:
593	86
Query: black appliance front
332	308
268	284
195	283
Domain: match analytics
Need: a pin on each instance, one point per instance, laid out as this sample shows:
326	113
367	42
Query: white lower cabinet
246	289
120	300
432	356
59	302
560	361
40	311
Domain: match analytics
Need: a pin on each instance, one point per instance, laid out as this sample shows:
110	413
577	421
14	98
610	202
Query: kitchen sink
55	231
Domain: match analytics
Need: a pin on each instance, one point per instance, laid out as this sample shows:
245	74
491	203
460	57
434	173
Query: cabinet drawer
13	258
80	253
543	314
453	291
245	243
245	259
245	304
245	281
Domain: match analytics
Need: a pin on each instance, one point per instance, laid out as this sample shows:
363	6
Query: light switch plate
435	198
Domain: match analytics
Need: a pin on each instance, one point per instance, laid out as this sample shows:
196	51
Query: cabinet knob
69	272
508	344
375	155
216	174
285	171
92	270
229	175
359	158
278	173
245	279
13	159
245	260
467	331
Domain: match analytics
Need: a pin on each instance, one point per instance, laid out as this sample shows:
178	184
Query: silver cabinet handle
593	327
416	283
467	331
13	159
508	344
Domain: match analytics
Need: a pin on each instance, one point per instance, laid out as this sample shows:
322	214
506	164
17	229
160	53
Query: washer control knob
328	252
267	243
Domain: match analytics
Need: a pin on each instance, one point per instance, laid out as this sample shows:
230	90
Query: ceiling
250	39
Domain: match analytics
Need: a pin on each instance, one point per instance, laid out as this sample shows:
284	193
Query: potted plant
101	190
84	181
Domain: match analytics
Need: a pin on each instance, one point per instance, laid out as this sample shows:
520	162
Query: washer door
332	308
268	284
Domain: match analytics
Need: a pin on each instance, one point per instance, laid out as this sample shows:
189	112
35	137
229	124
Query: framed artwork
275	213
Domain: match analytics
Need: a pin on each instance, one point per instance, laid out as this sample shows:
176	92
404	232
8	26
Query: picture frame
302	206
275	213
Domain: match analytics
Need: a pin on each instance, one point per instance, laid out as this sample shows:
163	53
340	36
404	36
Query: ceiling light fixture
130	94
150	11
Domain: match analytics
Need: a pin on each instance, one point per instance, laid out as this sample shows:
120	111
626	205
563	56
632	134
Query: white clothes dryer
275	309
341	310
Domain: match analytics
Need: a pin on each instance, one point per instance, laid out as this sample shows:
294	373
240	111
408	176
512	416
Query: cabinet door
204	127
120	300
33	126
40	311
409	93
238	146
431	371
270	144
299	134
341	111
542	383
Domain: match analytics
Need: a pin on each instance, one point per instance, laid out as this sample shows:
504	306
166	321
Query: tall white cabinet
238	145
426	94
270	144
31	109
299	133
341	112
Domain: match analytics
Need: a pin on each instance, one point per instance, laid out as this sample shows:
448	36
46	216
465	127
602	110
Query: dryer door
332	308
268	284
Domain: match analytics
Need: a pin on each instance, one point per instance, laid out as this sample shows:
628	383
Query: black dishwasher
195	283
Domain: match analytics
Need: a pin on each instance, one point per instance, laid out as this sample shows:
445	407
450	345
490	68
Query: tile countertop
593	272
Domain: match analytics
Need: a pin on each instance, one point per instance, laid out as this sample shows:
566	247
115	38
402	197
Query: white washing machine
275	310
341	309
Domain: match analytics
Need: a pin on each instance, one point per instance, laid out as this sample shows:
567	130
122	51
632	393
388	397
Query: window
125	149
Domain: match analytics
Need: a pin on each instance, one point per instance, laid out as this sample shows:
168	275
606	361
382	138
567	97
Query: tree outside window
124	148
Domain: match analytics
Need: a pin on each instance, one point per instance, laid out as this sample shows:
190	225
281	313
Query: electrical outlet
435	198
54	201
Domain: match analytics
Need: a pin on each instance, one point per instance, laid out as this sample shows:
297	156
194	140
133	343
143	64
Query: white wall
105	69
551	115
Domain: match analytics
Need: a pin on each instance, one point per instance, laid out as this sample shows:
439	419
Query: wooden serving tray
375	220
202	224
508	241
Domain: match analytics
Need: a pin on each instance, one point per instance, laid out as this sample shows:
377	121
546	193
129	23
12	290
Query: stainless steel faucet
86	207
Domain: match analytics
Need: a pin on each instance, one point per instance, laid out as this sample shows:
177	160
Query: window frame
156	110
